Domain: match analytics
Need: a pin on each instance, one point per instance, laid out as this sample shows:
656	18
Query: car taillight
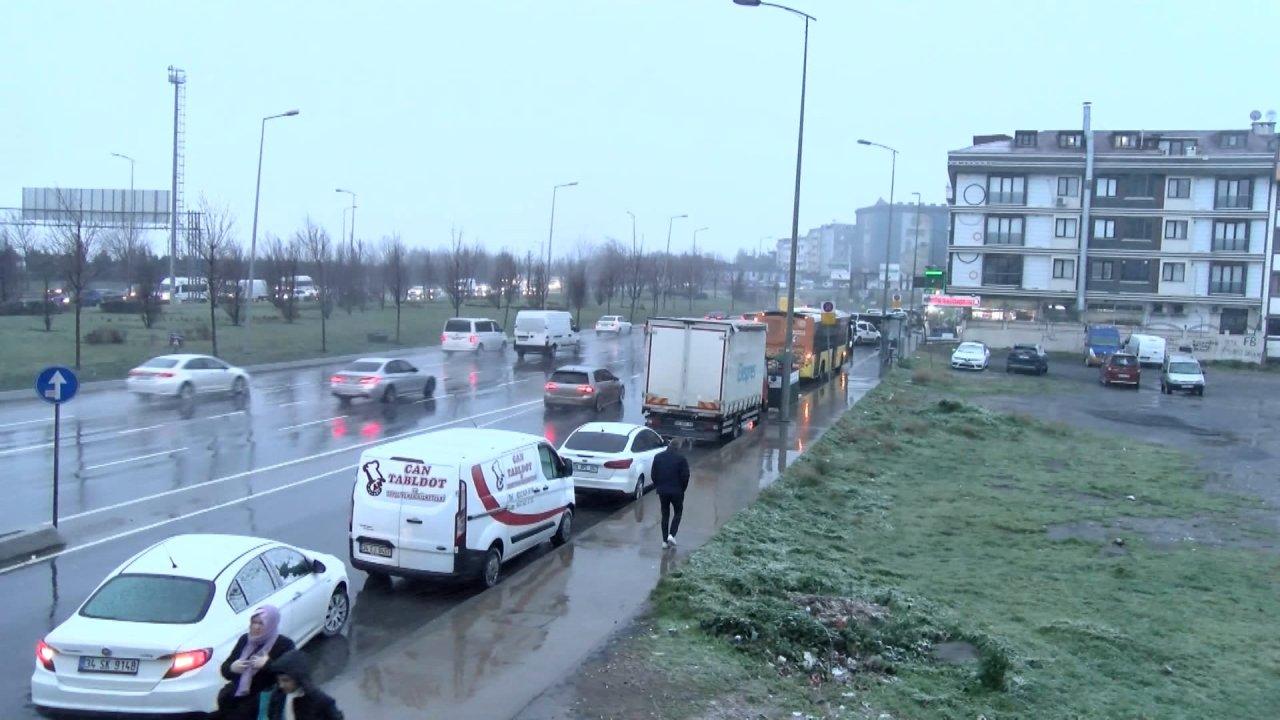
585	389
335	379
369	381
185	662
444	336
165	374
474	339
551	386
136	373
618	464
460	519
45	654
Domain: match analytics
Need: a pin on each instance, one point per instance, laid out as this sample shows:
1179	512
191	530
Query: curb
26	544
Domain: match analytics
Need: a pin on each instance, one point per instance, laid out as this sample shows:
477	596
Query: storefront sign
954	300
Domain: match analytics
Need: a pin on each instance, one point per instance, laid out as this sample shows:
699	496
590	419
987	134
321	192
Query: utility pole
178	78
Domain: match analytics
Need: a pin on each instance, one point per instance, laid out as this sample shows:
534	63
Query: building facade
1164	229
929	238
820	251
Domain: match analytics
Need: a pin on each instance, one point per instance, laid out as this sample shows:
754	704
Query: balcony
1233	202
1226	288
1016	239
1006	198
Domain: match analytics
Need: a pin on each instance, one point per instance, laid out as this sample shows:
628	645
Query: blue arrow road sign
56	384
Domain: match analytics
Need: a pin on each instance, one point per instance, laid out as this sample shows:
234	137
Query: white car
614	457
186	375
472	335
385	379
971	356
612	324
151	638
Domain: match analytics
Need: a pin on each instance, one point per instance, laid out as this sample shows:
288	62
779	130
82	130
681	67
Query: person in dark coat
295	696
670	480
248	667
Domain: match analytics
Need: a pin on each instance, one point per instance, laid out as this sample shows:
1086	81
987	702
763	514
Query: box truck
705	379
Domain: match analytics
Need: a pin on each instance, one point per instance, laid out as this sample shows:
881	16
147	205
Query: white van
544	331
1149	349
458	503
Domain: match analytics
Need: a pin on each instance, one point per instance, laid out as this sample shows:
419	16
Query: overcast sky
465	113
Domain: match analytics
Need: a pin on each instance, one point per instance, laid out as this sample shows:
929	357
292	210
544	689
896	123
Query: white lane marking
506	417
141	429
168	521
32	422
274	388
313	422
295	402
222	415
287	463
14	451
135	459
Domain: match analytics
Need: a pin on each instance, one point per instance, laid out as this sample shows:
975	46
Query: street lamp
695	238
253	236
666	265
784	412
353	217
915	251
551	233
131	218
888	240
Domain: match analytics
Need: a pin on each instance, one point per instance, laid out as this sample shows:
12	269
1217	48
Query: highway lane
279	465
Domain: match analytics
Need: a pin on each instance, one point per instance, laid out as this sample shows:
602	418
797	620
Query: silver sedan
385	379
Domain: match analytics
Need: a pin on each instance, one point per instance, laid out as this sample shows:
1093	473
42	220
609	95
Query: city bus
819	349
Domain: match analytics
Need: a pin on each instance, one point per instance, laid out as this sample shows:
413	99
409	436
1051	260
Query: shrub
104	336
120	307
28	307
993	665
906	363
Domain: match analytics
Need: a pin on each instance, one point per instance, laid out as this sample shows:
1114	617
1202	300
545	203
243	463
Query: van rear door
405	513
375	517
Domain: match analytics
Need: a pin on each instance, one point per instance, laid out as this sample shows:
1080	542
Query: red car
1122	369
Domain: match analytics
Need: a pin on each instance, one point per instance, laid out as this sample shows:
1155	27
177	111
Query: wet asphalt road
279	465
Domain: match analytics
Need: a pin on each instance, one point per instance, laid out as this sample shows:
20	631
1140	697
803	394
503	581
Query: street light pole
550	234
353	217
131	204
784	412
253	236
888	242
666	265
915	251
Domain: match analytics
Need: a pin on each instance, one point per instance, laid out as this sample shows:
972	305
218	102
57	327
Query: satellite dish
1255	116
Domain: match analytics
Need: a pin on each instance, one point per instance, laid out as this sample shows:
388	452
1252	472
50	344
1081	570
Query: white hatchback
614	457
186	375
151	637
612	324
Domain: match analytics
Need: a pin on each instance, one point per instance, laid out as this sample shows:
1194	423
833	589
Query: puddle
1161	533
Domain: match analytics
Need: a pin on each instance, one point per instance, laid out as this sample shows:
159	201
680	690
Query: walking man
670	481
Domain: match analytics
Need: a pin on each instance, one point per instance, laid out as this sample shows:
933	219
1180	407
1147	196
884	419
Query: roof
579	368
374	359
456	446
616	428
473	319
1208	142
197	555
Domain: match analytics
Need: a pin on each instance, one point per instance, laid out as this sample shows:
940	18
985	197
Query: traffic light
934	278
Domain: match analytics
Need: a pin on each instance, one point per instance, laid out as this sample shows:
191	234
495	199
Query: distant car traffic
583	386
185	376
385	379
1027	358
1120	369
1181	372
612	457
151	637
971	356
472	335
612	324
715	315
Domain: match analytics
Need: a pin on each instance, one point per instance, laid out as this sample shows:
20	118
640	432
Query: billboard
101	207
941	300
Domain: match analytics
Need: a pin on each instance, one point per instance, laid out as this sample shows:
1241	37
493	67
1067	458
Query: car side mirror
564	468
317	567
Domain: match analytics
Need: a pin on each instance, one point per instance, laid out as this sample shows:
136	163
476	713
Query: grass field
25	347
937	560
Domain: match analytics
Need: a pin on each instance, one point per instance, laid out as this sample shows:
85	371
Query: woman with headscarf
248	668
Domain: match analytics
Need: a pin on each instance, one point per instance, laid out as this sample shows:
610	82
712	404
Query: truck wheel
491	571
565	531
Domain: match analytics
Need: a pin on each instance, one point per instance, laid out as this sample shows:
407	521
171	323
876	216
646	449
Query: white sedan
151	638
612	324
971	356
186	375
614	457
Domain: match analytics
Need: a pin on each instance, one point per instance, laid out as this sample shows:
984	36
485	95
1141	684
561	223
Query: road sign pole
56	385
57	441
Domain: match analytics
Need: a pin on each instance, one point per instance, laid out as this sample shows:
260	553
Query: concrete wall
1069	337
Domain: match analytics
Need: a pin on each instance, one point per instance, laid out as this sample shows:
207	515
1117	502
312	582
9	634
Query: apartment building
819	251
1172	230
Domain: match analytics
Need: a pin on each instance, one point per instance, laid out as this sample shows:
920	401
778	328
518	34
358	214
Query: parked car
1100	341
971	356
185	376
472	335
1149	349
1121	369
385	379
612	323
1181	372
583	386
1027	358
612	457
152	635
864	333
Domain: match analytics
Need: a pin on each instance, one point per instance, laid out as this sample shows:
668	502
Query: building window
1174	272
1065	227
1226	279
1104	229
1233	140
1124	141
1135	271
1275	284
1004	230
1002	270
1025	138
1137	229
1070	139
1178	147
1233	193
1175	229
1104	187
1179	188
1064	269
1068	187
1231	235
1144	187
1006	190
1233	321
1102	270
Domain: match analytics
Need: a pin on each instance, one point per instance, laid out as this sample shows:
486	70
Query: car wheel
565	531
343	400
491	571
554	348
1008	369
503	346
622	393
429	387
599	404
390	395
637	493
239	386
338	612
1200	392
187	391
520	355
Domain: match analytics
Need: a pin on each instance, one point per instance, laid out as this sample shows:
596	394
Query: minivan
1181	372
472	335
458	503
1149	349
544	332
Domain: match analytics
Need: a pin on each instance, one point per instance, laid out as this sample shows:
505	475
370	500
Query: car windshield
969	348
1184	368
531	324
364	366
463	326
1102	338
160	363
1124	360
610	318
569	377
595	441
150	599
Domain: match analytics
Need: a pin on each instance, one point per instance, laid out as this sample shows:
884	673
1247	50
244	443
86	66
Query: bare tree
395	273
576	287
535	280
212	239
238	291
318	248
39	259
349	269
634	277
75	241
459	270
505	281
146	278
284	259
610	270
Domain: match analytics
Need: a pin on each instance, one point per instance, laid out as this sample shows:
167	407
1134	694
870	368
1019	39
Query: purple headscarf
263	643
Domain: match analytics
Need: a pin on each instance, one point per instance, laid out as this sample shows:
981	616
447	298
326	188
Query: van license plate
378	549
114	666
585	468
